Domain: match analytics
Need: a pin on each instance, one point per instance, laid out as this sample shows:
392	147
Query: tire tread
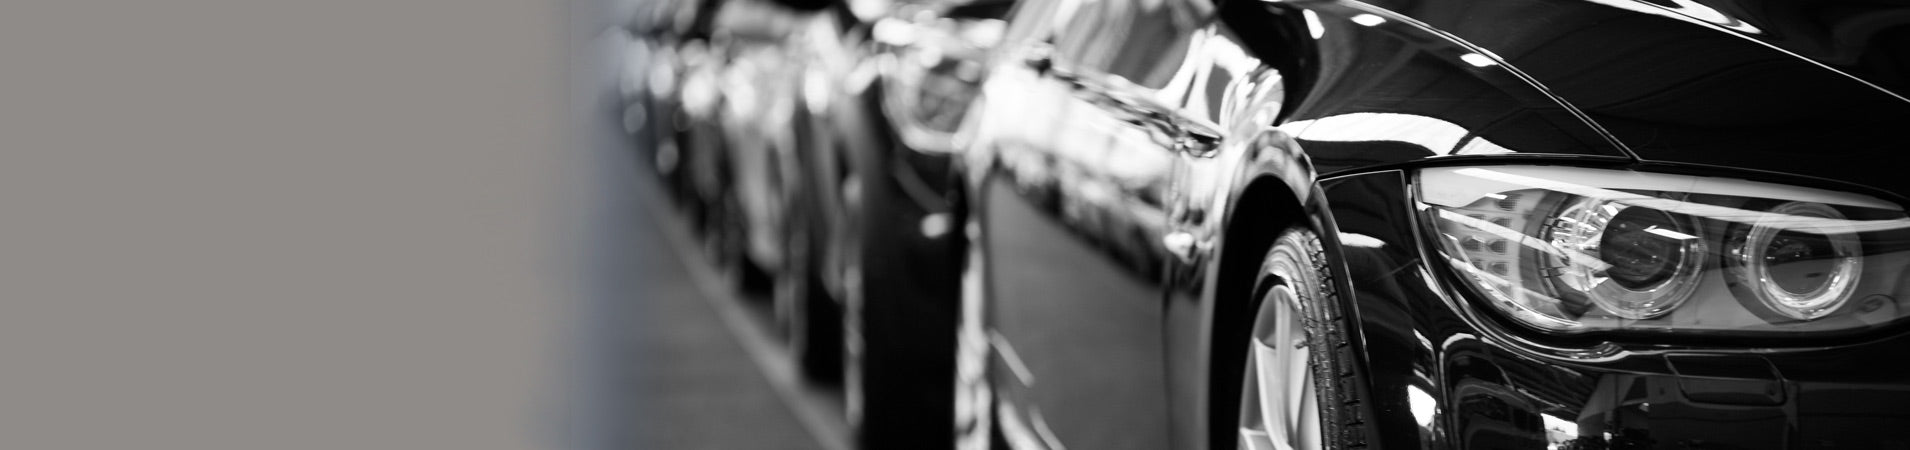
1326	328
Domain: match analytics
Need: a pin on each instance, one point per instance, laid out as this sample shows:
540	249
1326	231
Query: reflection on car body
1487	324
815	145
1152	224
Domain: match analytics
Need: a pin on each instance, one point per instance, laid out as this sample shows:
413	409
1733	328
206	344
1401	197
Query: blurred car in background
1436	224
1313	224
671	103
707	96
870	295
753	125
663	41
811	143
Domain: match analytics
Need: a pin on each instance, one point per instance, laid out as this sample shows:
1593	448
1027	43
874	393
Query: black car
869	294
814	141
1535	224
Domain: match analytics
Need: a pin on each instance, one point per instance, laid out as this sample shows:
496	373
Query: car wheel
898	334
809	320
1300	388
722	234
703	177
725	240
729	236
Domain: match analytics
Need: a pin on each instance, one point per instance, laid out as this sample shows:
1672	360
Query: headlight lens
1572	250
1795	274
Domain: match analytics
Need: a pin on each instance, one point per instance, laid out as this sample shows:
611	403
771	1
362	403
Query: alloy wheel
1280	407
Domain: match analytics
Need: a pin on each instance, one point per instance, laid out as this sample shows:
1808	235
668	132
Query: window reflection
1136	40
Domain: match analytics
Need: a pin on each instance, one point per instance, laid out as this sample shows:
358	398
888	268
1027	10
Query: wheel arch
1264	205
1277	189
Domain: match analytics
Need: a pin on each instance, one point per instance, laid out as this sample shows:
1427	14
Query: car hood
1868	40
1811	88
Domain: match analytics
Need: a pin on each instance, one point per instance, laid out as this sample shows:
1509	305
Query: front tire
1302	387
811	322
899	326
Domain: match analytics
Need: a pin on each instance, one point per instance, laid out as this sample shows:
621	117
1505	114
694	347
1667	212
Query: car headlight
1574	250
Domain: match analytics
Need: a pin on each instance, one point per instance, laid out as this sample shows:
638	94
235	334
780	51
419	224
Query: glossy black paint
1392	92
1069	198
1796	87
1079	282
1496	387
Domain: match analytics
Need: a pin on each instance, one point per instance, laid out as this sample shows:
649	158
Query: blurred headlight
1571	250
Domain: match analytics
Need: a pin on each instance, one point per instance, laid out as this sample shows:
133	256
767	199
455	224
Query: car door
1086	130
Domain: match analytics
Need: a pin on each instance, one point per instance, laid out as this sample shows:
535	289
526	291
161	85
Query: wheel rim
1280	403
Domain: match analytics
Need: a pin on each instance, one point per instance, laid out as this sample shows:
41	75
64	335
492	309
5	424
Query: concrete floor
675	357
685	362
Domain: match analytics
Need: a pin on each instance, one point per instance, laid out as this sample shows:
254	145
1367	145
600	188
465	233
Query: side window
1140	41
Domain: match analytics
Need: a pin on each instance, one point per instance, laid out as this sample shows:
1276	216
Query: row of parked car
811	144
1209	224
